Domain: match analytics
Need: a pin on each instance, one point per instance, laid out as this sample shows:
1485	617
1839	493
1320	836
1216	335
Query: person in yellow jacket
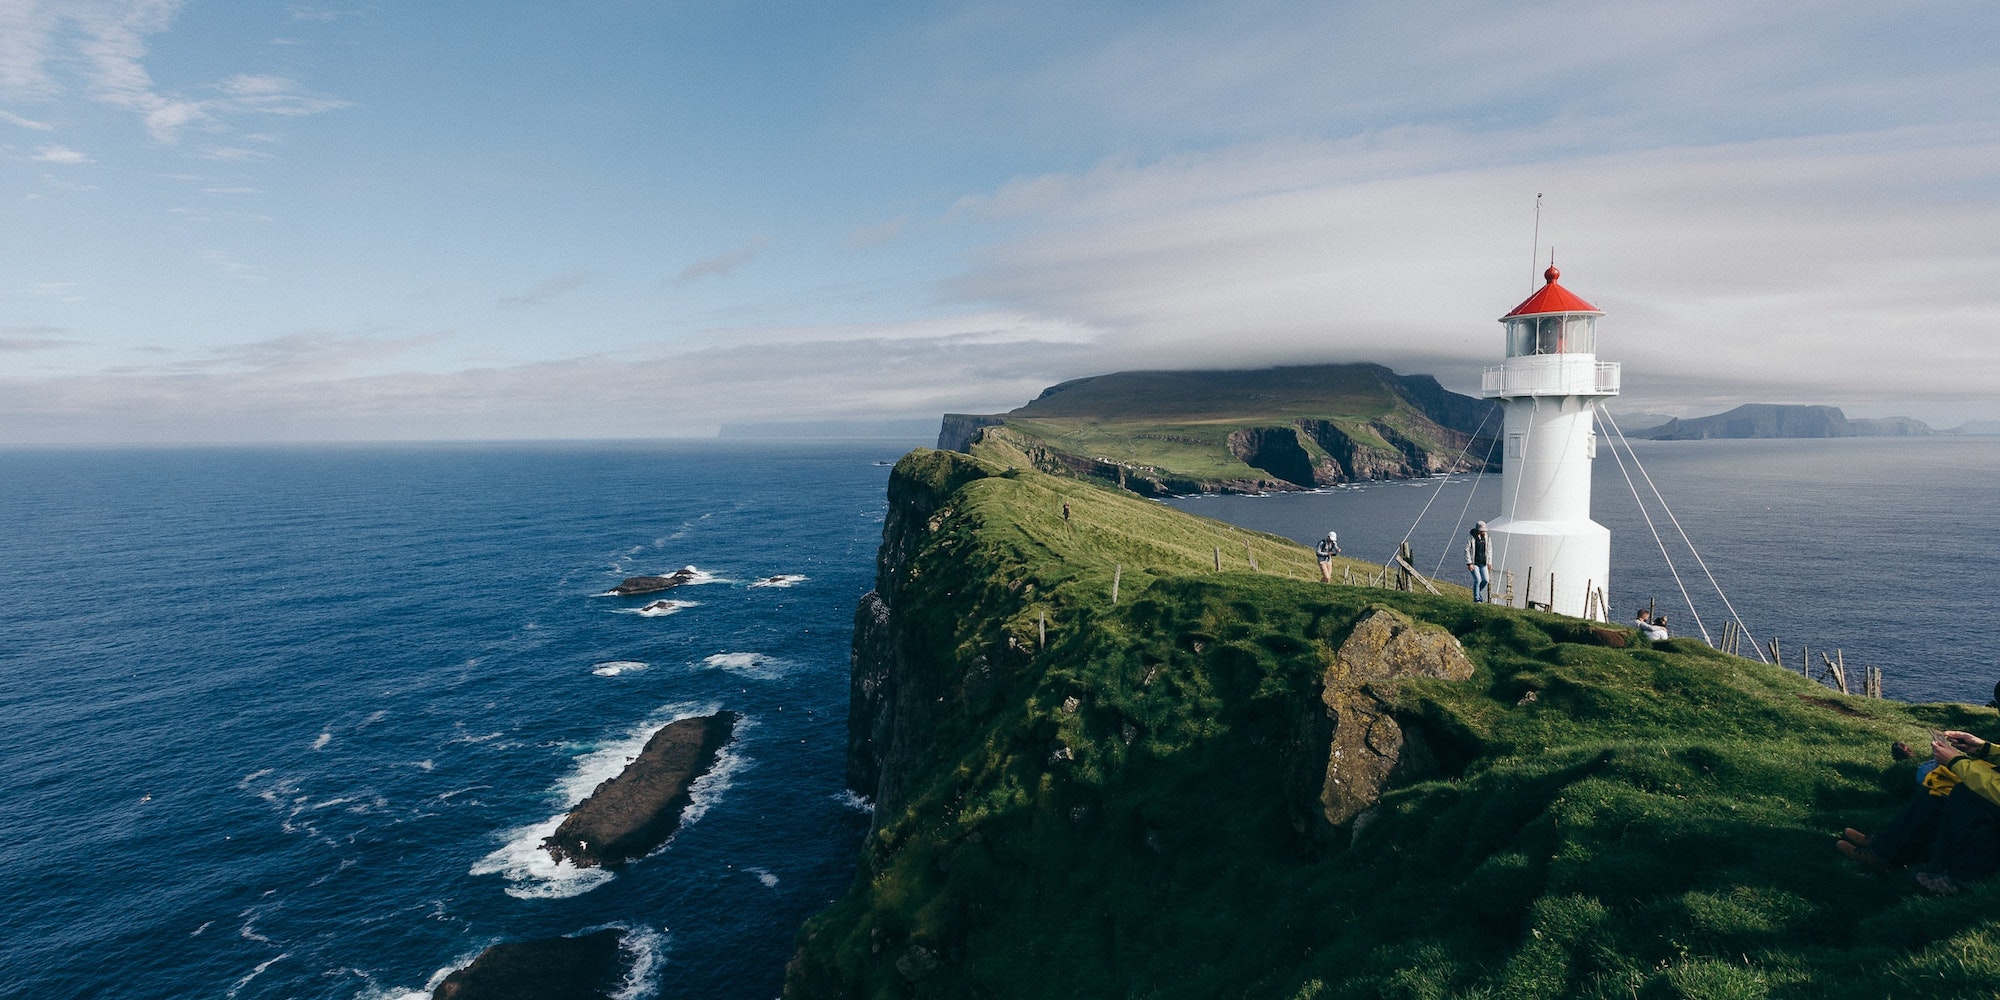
1955	824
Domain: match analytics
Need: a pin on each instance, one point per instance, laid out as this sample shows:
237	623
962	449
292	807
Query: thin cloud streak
721	265
546	290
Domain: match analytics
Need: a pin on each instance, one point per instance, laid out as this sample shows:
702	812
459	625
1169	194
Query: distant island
1783	420
1160	433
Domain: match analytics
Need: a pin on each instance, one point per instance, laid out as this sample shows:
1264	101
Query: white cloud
1784	262
107	42
273	95
60	154
348	387
17	120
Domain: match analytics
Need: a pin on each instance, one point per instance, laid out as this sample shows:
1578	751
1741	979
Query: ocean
1874	547
290	722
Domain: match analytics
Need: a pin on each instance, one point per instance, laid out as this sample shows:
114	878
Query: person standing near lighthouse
1477	558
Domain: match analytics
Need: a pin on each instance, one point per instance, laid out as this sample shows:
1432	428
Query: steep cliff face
922	659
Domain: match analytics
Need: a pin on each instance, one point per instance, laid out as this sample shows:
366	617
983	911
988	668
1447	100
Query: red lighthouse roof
1552	298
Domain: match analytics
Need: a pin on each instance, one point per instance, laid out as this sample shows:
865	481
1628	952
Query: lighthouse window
1580	335
1516	446
1520	338
1548	339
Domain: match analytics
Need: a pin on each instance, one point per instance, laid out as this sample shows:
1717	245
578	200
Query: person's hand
1963	741
1944	753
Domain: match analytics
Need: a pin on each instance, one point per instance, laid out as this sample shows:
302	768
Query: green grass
1129	812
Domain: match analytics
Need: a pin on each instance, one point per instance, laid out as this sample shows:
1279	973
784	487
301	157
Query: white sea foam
855	800
781	580
529	870
708	789
612	668
258	971
531	873
747	664
764	875
324	739
375	992
648	950
662	607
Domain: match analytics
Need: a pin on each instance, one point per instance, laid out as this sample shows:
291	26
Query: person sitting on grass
1954	824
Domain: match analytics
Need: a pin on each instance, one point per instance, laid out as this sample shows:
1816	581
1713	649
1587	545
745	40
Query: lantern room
1554	320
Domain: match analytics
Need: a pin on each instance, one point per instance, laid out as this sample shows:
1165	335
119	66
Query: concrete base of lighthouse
1576	553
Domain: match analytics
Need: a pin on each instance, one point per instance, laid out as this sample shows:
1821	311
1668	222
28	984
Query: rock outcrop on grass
1368	748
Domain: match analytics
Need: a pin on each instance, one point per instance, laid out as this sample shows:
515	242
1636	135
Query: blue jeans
1479	584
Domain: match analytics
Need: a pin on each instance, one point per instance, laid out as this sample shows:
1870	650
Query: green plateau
1117	754
1301	427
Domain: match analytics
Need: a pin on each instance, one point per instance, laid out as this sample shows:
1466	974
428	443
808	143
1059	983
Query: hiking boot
1862	855
1938	883
1855	837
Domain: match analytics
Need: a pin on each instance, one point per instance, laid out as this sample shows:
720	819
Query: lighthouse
1546	551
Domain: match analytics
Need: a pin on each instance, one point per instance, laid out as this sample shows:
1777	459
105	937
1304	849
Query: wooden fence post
1117	571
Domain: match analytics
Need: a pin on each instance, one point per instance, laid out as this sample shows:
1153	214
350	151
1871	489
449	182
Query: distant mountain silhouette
1784	420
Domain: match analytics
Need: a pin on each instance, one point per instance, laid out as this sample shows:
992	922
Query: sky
234	221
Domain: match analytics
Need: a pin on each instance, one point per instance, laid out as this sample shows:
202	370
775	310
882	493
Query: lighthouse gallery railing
1550	375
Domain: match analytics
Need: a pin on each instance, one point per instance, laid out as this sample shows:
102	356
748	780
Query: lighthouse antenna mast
1535	246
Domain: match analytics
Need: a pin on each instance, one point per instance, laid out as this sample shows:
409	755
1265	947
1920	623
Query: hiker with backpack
1327	548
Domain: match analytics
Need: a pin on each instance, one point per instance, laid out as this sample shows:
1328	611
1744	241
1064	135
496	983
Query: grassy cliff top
1275	428
1128	811
1144	397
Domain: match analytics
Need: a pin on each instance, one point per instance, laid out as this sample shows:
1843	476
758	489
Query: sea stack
631	814
633	585
587	967
1546	550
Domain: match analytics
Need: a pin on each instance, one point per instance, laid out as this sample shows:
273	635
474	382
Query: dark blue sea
1880	548
289	722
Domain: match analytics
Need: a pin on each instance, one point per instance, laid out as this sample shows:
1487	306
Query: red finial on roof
1551	298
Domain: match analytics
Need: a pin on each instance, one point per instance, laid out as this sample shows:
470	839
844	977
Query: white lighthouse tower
1546	550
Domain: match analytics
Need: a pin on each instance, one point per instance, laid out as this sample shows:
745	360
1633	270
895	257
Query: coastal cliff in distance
1104	765
1782	420
1161	433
